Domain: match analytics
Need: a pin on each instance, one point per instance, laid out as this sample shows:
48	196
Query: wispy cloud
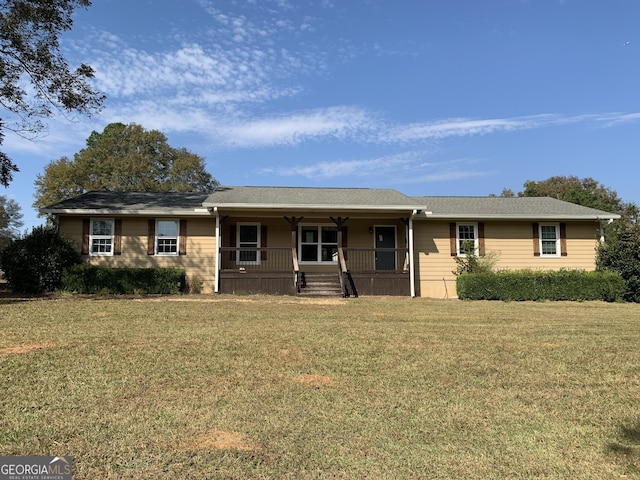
330	123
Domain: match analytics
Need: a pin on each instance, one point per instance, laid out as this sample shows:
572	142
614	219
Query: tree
586	192
10	221
123	158
34	263
30	50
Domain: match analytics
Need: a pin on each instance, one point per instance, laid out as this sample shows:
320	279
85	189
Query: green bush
622	255
90	279
35	262
541	285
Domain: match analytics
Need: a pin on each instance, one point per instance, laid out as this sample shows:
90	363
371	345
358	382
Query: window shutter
536	239
117	236
452	239
263	242
481	250
563	239
151	237
183	238
232	242
86	226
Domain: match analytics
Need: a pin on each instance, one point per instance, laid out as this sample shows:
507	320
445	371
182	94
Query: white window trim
540	240
93	237
258	239
319	252
177	237
476	244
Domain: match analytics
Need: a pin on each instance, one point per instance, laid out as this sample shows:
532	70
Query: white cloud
334	123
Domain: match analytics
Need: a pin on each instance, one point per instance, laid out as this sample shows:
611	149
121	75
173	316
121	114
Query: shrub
35	262
541	285
92	279
622	255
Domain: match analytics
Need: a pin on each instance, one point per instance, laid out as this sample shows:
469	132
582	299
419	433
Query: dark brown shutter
563	239
536	239
263	242
117	236
183	238
232	242
151	237
86	226
481	250
452	239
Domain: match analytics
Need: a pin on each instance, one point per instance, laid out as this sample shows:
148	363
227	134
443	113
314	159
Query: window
101	237
549	240
318	243
167	235
467	238
249	239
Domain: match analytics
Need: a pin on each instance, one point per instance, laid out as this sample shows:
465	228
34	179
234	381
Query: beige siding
510	242
199	262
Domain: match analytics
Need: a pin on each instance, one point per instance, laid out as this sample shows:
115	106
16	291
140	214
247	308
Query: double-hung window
248	243
318	243
467	238
549	240
167	237
101	237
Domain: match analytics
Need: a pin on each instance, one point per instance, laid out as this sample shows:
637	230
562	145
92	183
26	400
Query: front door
385	239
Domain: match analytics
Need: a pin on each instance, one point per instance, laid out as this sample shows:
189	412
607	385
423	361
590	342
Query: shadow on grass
626	450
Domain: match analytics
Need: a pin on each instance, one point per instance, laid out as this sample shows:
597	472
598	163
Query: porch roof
516	208
310	199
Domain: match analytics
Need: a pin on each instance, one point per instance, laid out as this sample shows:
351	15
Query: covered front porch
316	255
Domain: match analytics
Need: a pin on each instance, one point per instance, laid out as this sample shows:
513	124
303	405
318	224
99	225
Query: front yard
273	387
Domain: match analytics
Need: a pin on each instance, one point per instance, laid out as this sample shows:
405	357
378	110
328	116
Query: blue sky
432	97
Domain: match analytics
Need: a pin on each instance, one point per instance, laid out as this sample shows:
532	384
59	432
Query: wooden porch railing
285	259
268	259
376	259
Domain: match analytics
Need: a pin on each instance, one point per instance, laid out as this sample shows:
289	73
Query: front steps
321	285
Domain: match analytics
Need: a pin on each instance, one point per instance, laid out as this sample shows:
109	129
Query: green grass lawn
286	388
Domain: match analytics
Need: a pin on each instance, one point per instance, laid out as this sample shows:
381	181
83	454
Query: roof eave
119	211
537	216
312	207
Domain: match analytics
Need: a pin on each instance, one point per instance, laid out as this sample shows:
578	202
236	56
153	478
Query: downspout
216	288
412	268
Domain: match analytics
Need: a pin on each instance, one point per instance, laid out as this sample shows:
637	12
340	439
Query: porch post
216	287
412	269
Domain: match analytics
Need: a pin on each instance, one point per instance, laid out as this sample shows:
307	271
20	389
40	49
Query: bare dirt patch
314	380
225	440
18	349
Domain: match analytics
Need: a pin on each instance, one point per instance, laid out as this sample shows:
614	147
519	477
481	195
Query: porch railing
285	259
376	259
268	259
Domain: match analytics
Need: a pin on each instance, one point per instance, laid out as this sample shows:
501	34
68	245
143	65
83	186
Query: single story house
342	241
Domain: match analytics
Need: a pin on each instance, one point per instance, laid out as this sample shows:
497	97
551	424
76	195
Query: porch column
412	269
216	284
339	223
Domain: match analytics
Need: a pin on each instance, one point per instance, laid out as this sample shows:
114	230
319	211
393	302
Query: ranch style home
323	241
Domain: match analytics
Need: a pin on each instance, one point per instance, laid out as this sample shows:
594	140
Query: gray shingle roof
227	197
265	197
134	201
513	207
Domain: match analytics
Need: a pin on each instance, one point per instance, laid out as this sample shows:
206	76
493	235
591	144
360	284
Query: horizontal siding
510	242
199	262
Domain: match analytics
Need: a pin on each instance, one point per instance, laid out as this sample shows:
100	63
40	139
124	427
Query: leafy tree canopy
10	221
30	53
123	158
